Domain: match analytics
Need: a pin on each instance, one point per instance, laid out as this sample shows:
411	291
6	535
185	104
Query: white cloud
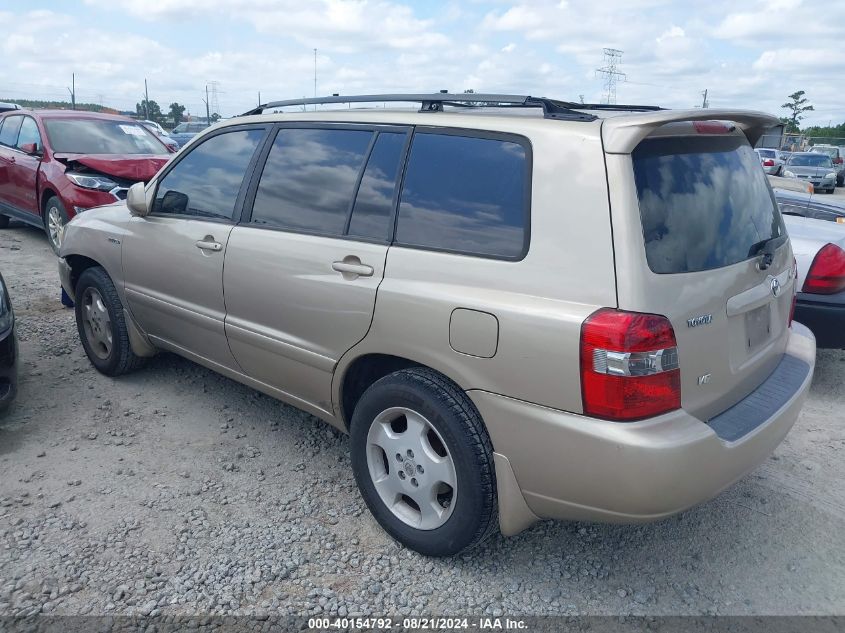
752	56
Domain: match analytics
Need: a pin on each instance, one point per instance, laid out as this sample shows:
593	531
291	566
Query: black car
8	349
808	205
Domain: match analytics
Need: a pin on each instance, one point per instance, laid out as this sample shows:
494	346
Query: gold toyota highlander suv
518	308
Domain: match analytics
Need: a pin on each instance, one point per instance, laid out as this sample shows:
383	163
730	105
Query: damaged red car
57	163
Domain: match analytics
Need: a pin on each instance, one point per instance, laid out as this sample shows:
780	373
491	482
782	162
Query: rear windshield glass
91	136
704	202
833	152
810	159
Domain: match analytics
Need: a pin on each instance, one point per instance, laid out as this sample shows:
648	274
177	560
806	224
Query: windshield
810	159
93	136
704	202
766	153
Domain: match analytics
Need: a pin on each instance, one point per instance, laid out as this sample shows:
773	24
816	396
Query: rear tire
101	325
423	462
55	219
4	221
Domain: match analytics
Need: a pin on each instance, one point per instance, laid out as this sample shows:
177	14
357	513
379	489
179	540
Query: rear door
706	247
24	172
9	128
301	274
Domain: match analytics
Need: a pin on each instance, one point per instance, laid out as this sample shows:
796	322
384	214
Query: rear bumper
567	466
825	316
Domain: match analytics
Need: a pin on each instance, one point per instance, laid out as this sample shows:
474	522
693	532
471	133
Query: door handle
353	268
209	246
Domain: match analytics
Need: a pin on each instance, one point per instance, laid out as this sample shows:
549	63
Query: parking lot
177	491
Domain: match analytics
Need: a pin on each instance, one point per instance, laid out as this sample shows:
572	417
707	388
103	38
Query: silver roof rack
552	109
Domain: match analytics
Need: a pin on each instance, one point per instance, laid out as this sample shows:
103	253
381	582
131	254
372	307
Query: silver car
814	167
540	310
819	249
771	162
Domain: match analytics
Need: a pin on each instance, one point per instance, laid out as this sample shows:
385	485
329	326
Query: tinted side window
29	133
9	133
374	203
465	194
207	180
309	179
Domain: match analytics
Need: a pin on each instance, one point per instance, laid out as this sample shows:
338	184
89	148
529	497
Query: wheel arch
47	193
355	374
78	264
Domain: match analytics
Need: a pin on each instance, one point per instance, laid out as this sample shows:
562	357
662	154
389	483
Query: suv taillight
629	365
827	272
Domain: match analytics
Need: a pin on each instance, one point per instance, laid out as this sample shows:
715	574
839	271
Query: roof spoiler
622	134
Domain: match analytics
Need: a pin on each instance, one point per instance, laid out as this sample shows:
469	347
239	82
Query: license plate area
758	327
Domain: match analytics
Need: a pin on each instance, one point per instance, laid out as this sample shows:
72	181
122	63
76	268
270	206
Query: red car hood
130	166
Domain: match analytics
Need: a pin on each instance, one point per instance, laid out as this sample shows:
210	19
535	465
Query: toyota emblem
775	287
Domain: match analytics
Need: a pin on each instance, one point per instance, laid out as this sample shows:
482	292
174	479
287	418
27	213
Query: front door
173	258
301	275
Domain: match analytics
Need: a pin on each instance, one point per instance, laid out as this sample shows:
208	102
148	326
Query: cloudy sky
747	53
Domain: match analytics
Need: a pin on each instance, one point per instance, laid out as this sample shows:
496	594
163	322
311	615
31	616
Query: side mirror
136	200
31	148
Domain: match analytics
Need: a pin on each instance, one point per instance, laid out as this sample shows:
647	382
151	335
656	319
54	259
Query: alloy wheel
96	323
411	468
55	227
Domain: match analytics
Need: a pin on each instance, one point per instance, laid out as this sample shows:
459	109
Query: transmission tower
215	103
612	58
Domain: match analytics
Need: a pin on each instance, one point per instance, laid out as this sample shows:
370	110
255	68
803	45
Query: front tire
101	325
423	462
55	219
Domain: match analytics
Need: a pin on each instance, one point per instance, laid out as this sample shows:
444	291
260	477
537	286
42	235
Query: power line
612	58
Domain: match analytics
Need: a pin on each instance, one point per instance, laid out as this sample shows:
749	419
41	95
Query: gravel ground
177	491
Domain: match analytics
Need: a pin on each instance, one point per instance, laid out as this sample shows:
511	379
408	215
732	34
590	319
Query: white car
772	165
819	249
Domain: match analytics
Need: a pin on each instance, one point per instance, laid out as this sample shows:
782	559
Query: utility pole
72	91
259	97
612	58
315	78
207	110
705	103
146	101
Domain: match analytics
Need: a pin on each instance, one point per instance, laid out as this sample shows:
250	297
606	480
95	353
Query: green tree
150	111
797	105
176	112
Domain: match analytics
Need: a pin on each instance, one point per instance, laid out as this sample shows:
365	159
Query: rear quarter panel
539	302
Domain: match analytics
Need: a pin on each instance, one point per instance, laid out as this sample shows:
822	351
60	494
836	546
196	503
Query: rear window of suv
704	202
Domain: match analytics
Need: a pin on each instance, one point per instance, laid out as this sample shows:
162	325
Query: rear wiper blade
765	249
